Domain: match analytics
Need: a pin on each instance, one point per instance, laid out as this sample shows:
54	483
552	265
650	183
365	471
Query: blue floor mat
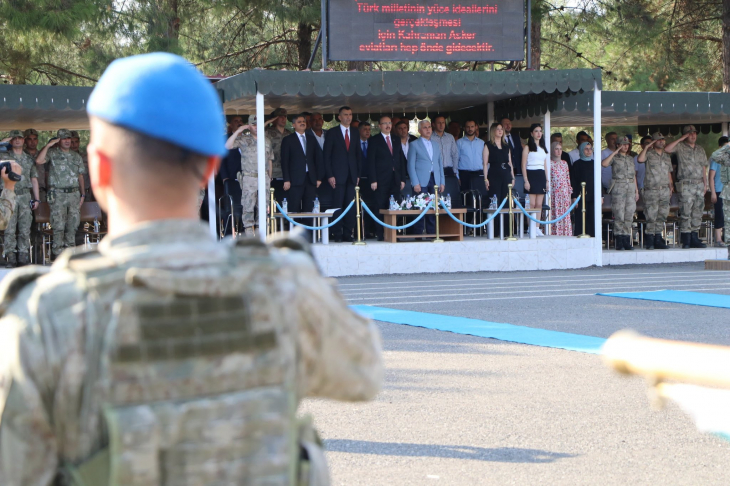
678	297
476	327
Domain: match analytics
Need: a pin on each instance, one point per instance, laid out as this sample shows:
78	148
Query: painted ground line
603	275
541	291
677	297
421	303
493	330
375	291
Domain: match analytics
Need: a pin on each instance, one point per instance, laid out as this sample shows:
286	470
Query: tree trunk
173	24
536	34
304	44
356	65
726	46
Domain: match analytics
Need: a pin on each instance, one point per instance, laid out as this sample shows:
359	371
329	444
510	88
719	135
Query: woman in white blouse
535	166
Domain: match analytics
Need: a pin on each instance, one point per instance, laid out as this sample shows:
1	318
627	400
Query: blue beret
163	96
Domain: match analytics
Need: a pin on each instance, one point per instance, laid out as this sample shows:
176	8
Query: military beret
16	133
63	133
163	96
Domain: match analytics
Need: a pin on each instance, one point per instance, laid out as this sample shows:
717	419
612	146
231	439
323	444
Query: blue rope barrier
316	228
475	226
547	222
377	220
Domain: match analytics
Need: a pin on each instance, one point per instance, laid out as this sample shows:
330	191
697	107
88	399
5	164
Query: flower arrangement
419	202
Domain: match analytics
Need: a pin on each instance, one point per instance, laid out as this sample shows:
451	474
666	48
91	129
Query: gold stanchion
272	210
583	201
511	236
359	240
436	192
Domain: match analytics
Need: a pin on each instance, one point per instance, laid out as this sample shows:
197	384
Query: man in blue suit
426	169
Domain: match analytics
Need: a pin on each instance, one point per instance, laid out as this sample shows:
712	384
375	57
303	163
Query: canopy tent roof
399	93
43	107
655	110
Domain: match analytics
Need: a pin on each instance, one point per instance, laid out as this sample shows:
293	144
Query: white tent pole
261	169
211	207
546	137
724	129
490	114
597	171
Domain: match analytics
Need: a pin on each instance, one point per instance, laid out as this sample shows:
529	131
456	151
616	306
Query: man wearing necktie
385	164
342	161
302	166
366	193
515	143
426	170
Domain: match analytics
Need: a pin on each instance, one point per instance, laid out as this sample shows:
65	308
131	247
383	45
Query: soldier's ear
100	167
211	167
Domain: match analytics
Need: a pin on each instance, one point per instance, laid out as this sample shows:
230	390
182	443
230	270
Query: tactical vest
196	374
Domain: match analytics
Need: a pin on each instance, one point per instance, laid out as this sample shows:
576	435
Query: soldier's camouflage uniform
722	157
7	206
248	177
64	196
42	178
623	193
22	218
275	136
656	190
179	361
691	166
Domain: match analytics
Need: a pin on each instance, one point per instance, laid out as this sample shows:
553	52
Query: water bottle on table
285	206
316	205
392	204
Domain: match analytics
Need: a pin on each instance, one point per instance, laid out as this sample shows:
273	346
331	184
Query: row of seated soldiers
56	174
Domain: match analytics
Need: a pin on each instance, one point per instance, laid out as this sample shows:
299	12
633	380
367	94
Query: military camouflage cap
63	133
16	133
31	131
252	119
624	141
688	129
279	112
657	136
74	134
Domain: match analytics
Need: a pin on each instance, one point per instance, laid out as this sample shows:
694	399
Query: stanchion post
511	236
583	204
436	193
272	210
359	240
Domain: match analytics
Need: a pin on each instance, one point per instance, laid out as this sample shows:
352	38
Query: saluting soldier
66	191
248	177
76	147
31	148
164	356
624	192
25	203
658	189
691	184
276	134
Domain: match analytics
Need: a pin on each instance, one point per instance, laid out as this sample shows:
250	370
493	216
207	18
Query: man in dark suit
302	166
342	160
515	144
385	168
367	195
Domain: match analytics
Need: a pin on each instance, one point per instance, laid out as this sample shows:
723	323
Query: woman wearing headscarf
561	190
583	172
624	192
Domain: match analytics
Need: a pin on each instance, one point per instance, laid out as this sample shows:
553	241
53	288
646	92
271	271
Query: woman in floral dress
561	190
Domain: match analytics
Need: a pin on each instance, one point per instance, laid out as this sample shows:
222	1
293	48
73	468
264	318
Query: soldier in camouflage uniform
624	192
248	177
692	185
7	197
66	189
722	157
76	147
31	148
164	357
22	218
658	189
276	134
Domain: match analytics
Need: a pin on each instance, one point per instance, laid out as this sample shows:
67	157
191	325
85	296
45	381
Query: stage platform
485	255
672	255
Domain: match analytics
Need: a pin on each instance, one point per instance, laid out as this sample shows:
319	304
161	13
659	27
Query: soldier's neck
281	129
31	152
123	217
17	151
658	150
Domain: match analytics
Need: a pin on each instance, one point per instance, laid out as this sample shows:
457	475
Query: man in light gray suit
426	169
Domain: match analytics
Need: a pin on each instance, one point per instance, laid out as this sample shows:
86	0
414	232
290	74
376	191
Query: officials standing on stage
426	170
302	167
342	160
385	166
